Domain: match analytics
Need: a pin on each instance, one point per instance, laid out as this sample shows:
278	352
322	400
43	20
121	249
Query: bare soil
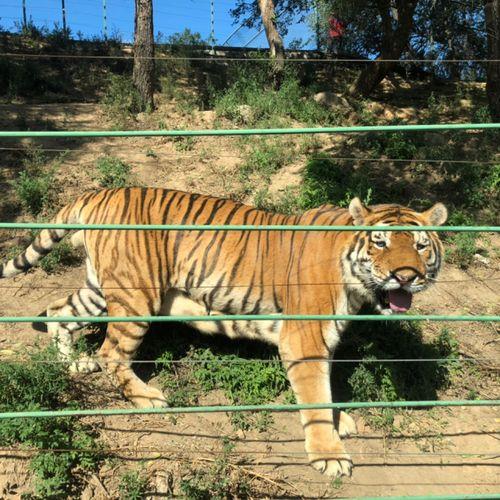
448	451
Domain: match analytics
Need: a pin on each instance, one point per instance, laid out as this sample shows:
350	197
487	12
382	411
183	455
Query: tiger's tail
43	243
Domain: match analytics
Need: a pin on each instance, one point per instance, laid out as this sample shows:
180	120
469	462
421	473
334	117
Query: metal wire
333	158
242	227
255	360
247	317
243	59
248	132
246	408
267	454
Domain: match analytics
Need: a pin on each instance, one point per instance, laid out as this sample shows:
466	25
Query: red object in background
337	28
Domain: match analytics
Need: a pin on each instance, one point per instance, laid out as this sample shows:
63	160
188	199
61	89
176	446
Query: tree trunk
394	41
144	65
276	47
492	15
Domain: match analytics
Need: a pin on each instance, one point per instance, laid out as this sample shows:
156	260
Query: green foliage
62	255
121	99
35	185
328	181
242	381
377	380
220	481
40	384
400	146
285	202
249	100
264	159
461	247
112	172
133	485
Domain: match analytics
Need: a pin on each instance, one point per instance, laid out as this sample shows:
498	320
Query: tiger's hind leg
87	301
121	344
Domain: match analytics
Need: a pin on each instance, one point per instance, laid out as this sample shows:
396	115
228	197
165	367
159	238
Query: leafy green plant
461	247
112	172
68	447
61	255
133	485
264	159
244	101
121	100
243	381
220	481
36	183
328	181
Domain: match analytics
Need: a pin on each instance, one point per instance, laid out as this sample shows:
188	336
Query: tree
144	64
492	16
397	23
276	47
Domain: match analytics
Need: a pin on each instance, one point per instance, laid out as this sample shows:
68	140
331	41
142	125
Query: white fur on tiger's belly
177	303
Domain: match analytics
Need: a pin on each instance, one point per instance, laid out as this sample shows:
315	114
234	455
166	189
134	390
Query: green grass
40	384
111	172
61	256
35	185
243	381
133	485
121	100
249	100
374	380
216	481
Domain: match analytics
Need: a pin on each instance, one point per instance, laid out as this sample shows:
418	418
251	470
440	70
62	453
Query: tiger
214	272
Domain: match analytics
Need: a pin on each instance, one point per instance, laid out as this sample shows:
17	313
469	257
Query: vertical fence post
104	20
212	27
25	21
63	5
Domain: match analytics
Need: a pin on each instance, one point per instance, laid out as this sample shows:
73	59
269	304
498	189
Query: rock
246	112
327	98
482	259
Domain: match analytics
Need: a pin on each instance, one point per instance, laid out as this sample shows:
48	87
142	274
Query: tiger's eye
421	246
380	244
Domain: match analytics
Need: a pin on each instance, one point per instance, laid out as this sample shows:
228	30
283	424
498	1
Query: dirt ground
447	451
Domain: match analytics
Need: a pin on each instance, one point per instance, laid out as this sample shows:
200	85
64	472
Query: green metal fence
269	407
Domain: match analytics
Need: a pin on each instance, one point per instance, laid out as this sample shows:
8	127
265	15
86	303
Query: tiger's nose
404	276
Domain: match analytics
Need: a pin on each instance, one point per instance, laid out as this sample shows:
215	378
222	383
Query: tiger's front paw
149	397
331	464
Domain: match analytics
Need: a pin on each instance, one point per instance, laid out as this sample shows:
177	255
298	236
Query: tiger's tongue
400	300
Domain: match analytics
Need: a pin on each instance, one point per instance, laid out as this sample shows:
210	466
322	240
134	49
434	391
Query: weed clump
133	485
35	186
219	481
112	172
36	384
245	102
121	100
243	381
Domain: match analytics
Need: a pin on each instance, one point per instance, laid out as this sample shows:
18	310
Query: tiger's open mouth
399	301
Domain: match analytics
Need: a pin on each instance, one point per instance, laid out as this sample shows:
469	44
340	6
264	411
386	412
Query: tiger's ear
358	211
436	215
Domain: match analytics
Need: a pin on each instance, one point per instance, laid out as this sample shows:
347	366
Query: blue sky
169	17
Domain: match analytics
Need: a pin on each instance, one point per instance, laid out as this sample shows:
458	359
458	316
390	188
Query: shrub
61	255
328	181
35	185
39	383
121	99
133	485
112	172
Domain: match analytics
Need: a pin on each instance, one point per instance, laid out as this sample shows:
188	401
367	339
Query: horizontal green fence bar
256	131
242	408
222	227
246	317
473	496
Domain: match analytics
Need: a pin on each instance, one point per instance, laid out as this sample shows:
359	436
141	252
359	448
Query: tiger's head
394	265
